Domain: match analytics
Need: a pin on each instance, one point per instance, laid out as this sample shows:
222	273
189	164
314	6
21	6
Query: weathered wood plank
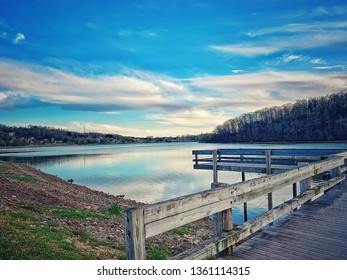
134	234
288	246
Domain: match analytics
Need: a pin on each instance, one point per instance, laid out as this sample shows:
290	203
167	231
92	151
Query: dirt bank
71	208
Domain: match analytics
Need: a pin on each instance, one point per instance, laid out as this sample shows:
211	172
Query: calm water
144	172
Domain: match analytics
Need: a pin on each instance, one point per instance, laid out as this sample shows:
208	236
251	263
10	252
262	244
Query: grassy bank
43	217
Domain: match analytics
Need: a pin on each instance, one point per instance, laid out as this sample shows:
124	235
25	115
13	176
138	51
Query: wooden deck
316	231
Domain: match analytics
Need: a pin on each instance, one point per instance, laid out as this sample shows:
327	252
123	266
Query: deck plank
316	231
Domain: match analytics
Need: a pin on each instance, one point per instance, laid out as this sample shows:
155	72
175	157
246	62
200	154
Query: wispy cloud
147	33
317	12
190	105
248	92
157	131
19	37
295	36
330	67
246	49
237	71
106	128
131	90
193	118
317	61
292	57
286	43
300	28
9	34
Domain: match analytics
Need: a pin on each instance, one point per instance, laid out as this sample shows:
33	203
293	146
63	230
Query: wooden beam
134	234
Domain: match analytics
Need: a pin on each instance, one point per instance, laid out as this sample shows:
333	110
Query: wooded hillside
315	119
40	135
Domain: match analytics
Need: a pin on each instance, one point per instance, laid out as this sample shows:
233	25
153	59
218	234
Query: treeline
315	119
42	135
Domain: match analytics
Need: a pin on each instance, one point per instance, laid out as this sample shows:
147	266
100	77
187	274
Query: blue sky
164	68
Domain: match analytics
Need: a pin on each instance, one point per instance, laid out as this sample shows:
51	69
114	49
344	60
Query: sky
164	68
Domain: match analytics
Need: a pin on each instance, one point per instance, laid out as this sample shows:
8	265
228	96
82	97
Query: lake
144	172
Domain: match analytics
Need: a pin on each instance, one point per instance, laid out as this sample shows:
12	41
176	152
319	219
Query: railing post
215	166
245	211
295	190
134	234
305	184
222	221
268	172
336	172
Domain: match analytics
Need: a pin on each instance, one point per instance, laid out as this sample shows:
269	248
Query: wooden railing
153	219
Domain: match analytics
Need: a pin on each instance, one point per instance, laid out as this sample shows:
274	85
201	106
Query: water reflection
146	173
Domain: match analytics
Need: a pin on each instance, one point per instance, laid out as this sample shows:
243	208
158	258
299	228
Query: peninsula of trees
315	119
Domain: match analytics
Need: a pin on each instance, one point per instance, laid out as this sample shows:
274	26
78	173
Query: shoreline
84	217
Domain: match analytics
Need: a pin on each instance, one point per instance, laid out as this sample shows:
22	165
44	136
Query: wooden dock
300	228
317	231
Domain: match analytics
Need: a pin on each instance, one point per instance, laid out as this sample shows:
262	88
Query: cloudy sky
164	68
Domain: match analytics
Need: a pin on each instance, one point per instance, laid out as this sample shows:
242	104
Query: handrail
276	152
153	219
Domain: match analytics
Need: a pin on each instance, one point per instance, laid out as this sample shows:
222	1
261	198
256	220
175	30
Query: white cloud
193	118
106	128
291	57
159	131
317	61
294	36
329	67
290	42
132	90
288	28
2	96
148	33
172	106
19	37
237	71
249	92
246	49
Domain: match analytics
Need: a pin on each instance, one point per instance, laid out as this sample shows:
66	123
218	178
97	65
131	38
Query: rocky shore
70	208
